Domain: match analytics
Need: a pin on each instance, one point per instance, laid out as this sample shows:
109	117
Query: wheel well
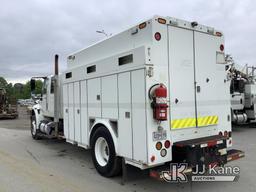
32	114
94	128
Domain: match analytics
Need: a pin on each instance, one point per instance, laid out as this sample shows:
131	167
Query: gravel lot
53	165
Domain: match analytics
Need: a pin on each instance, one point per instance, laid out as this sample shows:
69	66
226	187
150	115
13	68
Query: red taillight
157	36
167	144
222	47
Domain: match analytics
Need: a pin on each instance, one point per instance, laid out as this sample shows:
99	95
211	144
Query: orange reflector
218	34
142	25
158	145
161	20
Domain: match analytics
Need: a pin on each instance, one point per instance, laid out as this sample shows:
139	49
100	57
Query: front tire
34	130
103	153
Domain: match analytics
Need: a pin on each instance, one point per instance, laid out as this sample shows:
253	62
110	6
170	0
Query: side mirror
32	85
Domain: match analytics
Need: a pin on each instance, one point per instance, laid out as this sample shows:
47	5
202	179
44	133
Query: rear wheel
103	153
34	130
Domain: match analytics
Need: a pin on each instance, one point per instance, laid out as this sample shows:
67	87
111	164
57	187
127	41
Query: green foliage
3	82
18	90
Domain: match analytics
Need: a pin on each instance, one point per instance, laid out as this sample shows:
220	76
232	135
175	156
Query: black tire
113	166
34	134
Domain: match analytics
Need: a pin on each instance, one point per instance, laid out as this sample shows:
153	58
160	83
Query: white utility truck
153	94
243	94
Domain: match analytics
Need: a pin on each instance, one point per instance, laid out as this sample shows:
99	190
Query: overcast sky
32	31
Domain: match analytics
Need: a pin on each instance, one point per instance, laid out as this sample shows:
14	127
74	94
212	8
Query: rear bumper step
234	154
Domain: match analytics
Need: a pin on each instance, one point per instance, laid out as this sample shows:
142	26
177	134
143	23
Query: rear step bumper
234	154
157	173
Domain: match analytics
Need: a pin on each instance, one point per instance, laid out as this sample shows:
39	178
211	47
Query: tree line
19	90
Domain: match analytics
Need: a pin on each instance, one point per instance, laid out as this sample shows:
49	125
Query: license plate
159	135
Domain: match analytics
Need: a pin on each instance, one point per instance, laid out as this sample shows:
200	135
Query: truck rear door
212	90
207	79
195	80
181	73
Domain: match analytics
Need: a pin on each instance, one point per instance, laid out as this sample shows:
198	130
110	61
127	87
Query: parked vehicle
152	94
243	94
7	110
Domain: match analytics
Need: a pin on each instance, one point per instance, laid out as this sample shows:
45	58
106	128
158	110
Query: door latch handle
198	89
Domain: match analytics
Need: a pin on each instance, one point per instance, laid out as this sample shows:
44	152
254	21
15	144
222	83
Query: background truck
242	93
153	94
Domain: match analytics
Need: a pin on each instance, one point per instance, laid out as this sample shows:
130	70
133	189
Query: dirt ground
22	122
53	165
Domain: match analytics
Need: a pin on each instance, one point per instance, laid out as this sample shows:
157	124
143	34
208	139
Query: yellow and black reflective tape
191	122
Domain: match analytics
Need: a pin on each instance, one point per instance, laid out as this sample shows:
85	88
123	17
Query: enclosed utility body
145	95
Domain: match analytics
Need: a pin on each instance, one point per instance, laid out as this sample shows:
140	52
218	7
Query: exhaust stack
56	69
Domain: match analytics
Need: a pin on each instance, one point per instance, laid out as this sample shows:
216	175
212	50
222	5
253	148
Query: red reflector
157	36
153	158
213	165
211	143
154	174
222	47
167	144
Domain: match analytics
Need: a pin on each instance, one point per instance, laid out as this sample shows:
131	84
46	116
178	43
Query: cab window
44	88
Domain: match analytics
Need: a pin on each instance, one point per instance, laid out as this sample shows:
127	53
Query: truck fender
36	110
108	126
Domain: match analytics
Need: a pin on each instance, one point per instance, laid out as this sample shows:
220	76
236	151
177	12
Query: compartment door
84	116
125	117
71	112
181	74
94	98
77	112
65	110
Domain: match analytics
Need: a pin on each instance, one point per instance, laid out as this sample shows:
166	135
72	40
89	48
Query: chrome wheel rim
34	127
